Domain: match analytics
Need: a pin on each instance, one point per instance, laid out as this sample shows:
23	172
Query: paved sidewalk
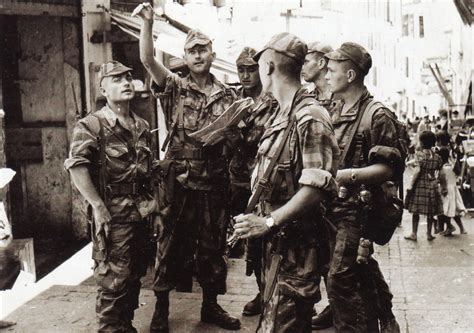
432	283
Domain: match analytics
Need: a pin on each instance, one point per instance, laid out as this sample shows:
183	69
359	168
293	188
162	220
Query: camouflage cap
354	52
196	37
319	47
245	57
287	44
112	68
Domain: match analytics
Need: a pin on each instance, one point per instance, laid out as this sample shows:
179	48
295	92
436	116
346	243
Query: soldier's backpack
386	213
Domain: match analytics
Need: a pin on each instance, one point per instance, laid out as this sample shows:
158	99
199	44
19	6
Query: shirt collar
112	119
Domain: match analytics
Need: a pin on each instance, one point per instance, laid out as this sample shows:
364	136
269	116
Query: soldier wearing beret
358	294
193	234
243	161
298	153
314	70
110	163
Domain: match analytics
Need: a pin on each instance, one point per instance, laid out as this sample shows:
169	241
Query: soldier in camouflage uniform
243	161
358	293
301	179
193	237
314	70
110	163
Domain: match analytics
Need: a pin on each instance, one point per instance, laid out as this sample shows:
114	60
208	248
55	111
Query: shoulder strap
263	181
353	131
102	159
366	122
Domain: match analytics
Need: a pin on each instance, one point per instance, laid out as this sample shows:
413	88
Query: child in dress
425	198
453	206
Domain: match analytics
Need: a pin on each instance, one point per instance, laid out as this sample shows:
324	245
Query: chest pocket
191	111
117	158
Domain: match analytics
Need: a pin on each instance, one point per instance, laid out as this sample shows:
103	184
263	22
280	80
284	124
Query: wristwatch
270	222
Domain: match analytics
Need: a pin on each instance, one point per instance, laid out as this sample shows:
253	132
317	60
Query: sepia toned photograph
270	166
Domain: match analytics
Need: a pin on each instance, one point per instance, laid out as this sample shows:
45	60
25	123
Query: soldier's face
248	76
336	76
199	58
311	67
118	88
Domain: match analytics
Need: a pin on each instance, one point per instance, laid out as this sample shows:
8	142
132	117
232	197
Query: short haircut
443	138
443	113
443	152
287	66
427	139
349	64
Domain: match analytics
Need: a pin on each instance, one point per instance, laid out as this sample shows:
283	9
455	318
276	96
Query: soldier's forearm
154	67
370	175
82	179
306	198
146	42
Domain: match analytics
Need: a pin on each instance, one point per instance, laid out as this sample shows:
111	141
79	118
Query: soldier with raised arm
193	234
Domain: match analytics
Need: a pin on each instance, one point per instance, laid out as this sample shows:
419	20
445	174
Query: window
422	26
407	67
405	25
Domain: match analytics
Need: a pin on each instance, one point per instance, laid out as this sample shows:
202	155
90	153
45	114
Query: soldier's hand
250	226
158	227
144	10
102	219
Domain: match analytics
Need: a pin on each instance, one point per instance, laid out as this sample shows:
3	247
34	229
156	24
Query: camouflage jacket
199	168
128	160
243	160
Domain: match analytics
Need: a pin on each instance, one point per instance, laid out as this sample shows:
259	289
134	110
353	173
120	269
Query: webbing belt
127	188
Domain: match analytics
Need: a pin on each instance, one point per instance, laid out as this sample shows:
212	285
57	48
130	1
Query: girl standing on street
453	206
423	196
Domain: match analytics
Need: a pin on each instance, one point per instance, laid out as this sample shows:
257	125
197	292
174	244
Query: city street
432	283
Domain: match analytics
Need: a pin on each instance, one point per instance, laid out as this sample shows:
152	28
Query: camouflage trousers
289	299
118	276
194	242
358	294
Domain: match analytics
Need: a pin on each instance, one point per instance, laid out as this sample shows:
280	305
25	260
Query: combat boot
254	307
159	322
389	326
213	313
323	320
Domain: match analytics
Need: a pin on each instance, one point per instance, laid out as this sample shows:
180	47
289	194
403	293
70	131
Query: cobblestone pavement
432	283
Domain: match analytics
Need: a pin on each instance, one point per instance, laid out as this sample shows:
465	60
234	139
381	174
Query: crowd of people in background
436	157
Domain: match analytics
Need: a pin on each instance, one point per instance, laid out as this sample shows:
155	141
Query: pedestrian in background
453	205
424	197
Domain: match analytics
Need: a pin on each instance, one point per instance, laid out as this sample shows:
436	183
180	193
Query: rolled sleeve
384	140
168	89
320	153
84	141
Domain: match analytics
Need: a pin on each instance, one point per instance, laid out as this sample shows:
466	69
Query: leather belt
127	188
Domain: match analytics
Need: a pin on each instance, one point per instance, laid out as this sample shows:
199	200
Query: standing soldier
243	161
296	161
314	70
358	293
193	239
110	163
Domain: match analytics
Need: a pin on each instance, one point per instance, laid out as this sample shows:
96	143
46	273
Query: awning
169	38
